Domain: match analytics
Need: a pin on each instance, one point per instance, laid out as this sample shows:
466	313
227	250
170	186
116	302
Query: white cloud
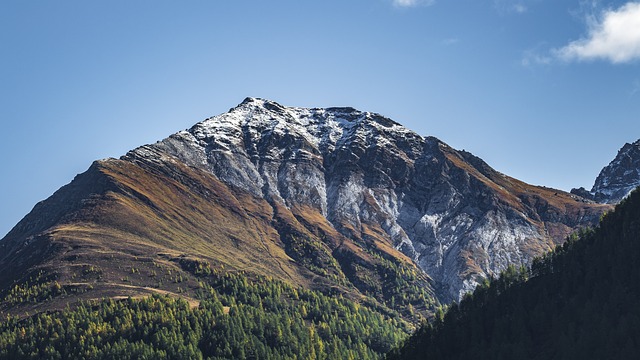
615	37
413	3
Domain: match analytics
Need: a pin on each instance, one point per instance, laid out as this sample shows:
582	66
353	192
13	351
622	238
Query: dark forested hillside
580	302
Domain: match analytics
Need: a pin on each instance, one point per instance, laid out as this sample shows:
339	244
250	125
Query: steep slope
334	199
617	179
125	227
577	303
146	224
375	181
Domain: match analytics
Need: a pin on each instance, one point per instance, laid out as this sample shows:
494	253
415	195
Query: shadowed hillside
580	302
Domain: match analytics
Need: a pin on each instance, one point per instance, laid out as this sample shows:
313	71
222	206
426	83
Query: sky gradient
545	91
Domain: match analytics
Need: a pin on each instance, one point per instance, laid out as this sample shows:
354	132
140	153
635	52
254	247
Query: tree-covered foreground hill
235	318
580	302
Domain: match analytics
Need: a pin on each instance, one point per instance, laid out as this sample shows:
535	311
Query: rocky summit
618	179
334	197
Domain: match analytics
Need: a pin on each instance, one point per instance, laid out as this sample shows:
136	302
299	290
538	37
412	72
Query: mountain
371	178
580	302
617	179
330	199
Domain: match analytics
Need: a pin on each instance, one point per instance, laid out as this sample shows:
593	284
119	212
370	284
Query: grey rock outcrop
620	177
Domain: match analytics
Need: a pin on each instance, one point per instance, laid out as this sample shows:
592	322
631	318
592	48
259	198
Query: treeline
579	302
237	318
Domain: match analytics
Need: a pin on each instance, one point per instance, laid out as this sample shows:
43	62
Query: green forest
578	302
237	317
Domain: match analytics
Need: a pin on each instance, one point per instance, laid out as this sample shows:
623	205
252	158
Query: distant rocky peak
619	178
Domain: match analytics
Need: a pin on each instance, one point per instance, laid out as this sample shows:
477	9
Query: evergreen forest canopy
578	302
237	318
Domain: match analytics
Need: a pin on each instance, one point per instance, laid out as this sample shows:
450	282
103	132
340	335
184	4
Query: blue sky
543	90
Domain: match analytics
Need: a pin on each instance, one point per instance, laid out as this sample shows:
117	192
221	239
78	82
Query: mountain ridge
333	198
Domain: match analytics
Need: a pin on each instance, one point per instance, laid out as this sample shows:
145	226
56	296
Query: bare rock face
620	177
376	181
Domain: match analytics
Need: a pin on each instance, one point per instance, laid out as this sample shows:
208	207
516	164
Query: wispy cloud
537	55
532	58
613	36
588	11
413	3
510	6
450	41
520	8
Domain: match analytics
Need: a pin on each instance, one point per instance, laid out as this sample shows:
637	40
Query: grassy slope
125	228
131	230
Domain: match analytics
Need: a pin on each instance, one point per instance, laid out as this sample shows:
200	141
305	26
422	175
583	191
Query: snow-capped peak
322	128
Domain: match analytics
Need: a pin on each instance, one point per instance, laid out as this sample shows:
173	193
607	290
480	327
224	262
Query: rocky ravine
457	218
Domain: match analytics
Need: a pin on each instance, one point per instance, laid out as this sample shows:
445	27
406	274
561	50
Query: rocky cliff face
617	179
371	178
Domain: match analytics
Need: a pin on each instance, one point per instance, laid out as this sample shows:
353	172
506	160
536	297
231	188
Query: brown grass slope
137	226
133	228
